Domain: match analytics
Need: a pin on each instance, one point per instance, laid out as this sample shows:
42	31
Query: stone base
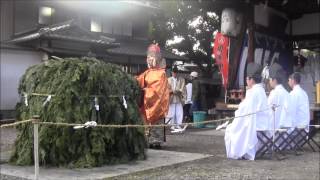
155	159
7	114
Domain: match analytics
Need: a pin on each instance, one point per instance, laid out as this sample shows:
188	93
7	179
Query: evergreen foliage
194	23
75	82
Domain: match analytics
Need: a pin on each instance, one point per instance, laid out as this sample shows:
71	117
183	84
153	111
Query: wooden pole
273	149
225	96
36	146
318	93
227	82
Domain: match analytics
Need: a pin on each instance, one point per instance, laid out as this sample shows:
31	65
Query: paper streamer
86	125
25	95
125	105
96	104
47	100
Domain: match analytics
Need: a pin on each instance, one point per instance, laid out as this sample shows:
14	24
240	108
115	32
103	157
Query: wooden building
33	31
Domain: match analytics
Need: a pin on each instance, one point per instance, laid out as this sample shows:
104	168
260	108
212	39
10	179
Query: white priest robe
300	107
280	97
176	100
241	136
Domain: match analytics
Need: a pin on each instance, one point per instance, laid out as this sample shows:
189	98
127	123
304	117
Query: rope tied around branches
36	120
16	123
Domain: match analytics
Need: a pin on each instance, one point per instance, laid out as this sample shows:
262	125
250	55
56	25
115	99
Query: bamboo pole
318	93
36	146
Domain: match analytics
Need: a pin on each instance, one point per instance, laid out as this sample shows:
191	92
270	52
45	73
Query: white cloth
280	97
300	107
175	113
241	136
307	83
178	88
189	93
174	84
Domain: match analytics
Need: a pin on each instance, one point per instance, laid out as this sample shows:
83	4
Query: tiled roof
68	30
139	48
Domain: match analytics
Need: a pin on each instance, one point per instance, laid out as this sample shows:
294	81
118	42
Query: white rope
41	94
224	125
316	126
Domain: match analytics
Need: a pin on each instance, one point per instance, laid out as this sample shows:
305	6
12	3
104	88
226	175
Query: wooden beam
306	37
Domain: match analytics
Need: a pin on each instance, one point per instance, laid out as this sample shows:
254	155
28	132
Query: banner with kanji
220	51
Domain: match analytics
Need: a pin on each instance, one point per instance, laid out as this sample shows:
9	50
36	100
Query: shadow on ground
209	141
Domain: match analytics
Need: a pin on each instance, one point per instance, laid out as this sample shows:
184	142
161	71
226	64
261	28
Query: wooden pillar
318	93
251	44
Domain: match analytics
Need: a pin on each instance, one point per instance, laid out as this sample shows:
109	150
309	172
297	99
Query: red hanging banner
220	51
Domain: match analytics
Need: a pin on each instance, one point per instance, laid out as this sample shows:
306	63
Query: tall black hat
254	70
276	71
175	69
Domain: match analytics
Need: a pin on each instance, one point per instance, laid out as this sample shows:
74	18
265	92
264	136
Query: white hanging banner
125	105
96	103
231	22
25	95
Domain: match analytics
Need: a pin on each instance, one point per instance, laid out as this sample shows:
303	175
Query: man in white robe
299	102
280	98
241	137
177	92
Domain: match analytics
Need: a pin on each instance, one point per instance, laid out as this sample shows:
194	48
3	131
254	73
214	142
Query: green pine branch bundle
74	81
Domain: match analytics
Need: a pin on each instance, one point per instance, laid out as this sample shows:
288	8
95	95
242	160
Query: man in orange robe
156	94
154	84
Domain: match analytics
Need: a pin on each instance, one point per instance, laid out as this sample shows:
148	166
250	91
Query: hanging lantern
231	22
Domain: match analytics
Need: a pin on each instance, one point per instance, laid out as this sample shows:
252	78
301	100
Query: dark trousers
195	107
187	112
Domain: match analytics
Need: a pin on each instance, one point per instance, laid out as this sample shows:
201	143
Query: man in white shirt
241	135
188	102
280	98
299	102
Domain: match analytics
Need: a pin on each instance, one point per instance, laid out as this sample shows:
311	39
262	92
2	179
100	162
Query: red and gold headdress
153	51
154	48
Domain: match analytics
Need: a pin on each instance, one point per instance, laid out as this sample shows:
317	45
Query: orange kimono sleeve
141	80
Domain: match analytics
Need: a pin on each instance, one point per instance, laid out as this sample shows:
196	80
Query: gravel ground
303	167
7	137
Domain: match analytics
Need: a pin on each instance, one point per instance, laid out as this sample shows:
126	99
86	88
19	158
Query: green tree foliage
192	21
75	83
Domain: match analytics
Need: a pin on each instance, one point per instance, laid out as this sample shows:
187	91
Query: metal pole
226	85
274	127
274	154
225	96
36	146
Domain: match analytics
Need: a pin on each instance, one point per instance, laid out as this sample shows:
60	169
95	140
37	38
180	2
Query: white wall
307	24
6	20
13	64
